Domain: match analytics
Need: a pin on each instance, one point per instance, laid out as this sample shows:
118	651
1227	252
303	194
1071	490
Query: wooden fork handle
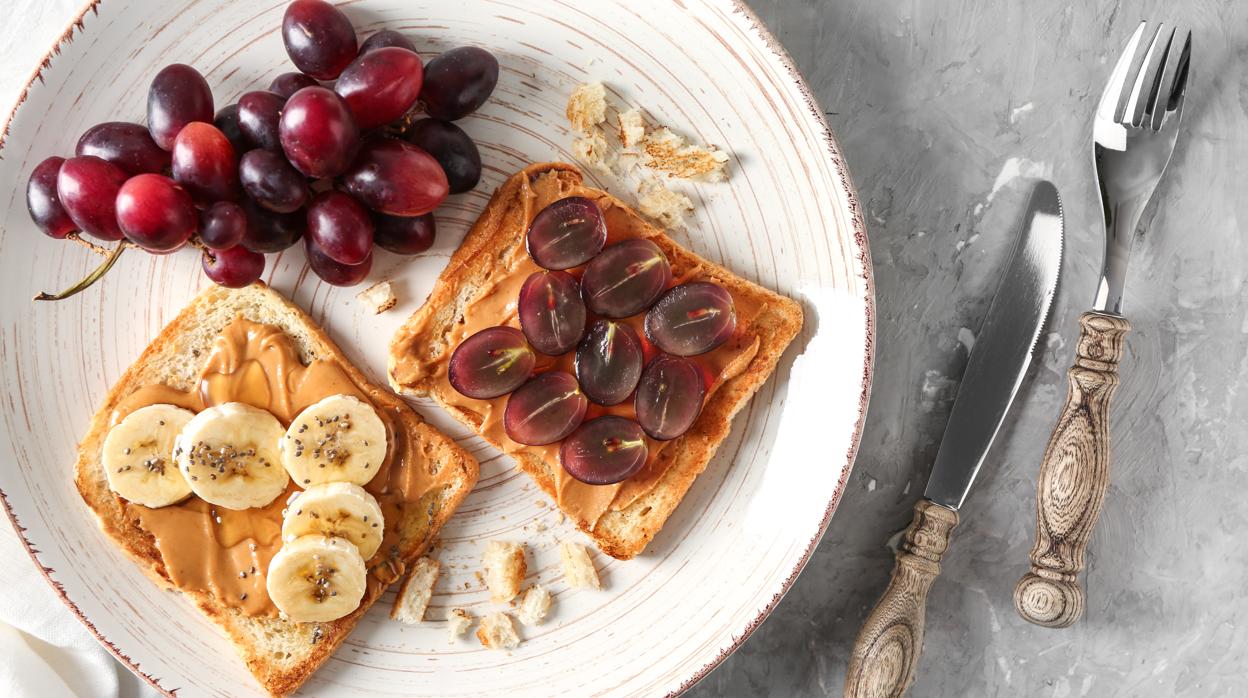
1073	477
886	652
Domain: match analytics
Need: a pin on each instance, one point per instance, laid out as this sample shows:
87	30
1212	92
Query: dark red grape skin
155	213
340	227
458	82
205	164
609	362
567	233
452	148
626	278
395	177
384	38
491	363
87	188
128	146
235	267
178	96
226	122
222	225
319	38
692	319
404	234
336	273
552	315
318	133
545	410
381	85
271	182
605	451
42	203
287	84
269	231
669	396
259	114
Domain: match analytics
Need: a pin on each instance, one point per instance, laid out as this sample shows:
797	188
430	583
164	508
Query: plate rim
834	154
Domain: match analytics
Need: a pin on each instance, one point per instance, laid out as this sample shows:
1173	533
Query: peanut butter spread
495	303
227	553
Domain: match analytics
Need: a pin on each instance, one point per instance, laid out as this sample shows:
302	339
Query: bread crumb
457	623
665	206
379	297
578	568
497	632
593	151
541	504
534	605
587	106
504	569
672	155
415	592
632	128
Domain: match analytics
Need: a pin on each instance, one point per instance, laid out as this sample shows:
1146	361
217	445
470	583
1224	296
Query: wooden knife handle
1073	477
886	652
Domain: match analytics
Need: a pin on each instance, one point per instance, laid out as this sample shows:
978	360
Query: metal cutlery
1134	132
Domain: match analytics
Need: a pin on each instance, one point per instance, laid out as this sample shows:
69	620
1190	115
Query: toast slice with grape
424	339
281	653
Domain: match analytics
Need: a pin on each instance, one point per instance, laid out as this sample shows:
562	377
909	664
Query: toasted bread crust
625	533
173	358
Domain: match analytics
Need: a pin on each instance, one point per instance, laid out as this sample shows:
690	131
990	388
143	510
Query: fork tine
1174	81
1144	91
1114	97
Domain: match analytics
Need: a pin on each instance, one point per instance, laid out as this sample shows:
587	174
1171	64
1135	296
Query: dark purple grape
605	451
669	396
205	164
404	234
269	231
336	273
452	148
128	146
227	122
545	410
381	85
567	233
222	225
234	267
340	227
552	314
41	200
319	38
384	38
270	180
178	96
318	133
287	84
692	319
259	114
395	177
626	278
609	361
155	213
87	189
458	82
491	363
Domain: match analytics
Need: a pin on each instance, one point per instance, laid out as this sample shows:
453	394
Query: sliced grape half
609	361
491	363
552	314
669	396
692	319
567	233
626	278
545	410
605	451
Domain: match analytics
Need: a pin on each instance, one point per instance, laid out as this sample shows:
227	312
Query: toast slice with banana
297	535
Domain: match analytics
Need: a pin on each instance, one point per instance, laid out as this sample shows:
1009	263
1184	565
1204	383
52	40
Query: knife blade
887	649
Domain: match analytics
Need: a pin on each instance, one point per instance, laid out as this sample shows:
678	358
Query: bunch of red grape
588	300
341	166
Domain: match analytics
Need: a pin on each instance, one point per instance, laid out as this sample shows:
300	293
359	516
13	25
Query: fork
1134	132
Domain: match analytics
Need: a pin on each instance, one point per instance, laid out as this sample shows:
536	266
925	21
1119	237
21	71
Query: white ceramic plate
787	219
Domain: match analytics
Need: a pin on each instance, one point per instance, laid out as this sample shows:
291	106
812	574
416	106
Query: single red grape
404	234
452	148
41	200
319	38
155	213
227	122
458	82
318	133
340	227
269	231
205	164
381	85
395	177
287	84
128	146
222	225
87	188
384	38
178	96
234	267
270	180
259	113
336	273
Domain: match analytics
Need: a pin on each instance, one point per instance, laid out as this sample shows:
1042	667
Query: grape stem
89	279
98	249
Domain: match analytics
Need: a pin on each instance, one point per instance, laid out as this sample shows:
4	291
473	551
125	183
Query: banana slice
316	578
341	509
138	456
339	439
229	455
